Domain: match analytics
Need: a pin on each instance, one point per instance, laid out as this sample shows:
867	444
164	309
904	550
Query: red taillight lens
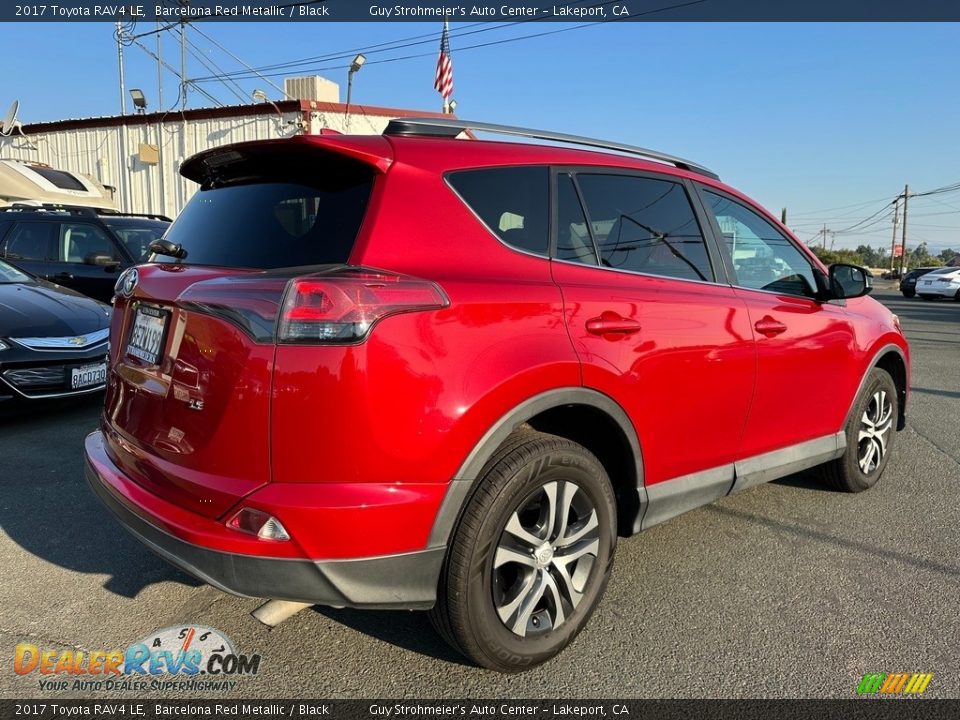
321	309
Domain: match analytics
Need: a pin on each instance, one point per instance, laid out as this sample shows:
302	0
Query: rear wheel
870	434
531	555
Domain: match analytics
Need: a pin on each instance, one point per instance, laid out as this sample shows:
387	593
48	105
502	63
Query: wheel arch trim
878	355
469	472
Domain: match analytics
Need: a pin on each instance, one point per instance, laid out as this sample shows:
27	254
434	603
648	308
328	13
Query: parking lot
787	590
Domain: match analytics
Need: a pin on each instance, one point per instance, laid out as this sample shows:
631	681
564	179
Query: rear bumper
405	580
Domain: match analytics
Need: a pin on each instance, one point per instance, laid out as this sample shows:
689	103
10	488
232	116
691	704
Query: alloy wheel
875	427
544	558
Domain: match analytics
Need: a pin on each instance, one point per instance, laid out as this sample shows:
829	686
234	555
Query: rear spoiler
236	162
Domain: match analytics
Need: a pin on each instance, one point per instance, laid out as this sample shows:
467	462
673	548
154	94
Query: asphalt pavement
787	590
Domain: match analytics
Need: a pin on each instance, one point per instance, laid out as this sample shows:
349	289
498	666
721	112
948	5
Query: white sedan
943	282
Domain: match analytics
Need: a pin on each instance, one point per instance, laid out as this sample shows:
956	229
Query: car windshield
137	234
944	271
9	274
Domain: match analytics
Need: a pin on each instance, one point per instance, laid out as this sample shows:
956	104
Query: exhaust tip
274	612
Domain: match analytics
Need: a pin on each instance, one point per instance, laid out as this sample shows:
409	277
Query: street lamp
355	66
139	100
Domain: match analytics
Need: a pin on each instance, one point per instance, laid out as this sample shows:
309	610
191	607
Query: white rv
36	183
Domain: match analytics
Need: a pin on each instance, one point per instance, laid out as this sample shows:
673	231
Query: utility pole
903	244
823	242
123	90
183	53
159	71
893	242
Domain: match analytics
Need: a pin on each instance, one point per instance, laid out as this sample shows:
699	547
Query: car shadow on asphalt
404	629
47	509
805	480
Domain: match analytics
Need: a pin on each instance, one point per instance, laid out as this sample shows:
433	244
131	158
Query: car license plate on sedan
149	331
88	376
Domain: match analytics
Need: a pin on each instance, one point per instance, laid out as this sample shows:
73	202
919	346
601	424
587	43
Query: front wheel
870	434
531	555
909	293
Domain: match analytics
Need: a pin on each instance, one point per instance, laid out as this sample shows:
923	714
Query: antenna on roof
10	120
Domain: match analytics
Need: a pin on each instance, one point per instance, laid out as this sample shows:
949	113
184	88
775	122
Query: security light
139	99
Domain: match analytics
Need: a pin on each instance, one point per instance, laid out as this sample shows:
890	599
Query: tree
948	255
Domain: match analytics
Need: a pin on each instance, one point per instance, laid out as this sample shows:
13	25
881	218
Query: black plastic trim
405	581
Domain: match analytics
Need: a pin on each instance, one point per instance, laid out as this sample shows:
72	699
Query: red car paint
353	446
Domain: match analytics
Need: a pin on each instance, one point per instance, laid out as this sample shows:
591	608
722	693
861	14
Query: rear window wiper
165	247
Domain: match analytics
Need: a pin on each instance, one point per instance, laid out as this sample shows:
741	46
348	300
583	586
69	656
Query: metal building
138	156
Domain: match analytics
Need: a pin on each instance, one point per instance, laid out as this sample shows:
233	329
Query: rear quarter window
513	202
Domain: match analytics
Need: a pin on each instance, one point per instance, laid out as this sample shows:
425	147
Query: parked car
53	341
908	286
943	282
416	371
81	248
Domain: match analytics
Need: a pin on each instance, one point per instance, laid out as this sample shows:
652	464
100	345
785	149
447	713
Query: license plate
88	375
149	331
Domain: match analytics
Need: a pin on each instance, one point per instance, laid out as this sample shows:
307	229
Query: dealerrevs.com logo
184	658
894	683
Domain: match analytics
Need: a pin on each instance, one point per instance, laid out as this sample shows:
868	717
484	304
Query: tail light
256	522
341	308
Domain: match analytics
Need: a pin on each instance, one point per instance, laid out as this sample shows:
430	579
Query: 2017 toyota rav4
422	371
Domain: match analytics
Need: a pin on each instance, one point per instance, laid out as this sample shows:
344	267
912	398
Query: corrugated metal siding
159	188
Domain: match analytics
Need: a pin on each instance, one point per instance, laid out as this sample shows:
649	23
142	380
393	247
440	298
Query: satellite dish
10	119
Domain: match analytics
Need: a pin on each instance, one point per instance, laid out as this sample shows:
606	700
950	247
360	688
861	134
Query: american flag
444	80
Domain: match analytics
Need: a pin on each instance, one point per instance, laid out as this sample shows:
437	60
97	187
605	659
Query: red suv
419	370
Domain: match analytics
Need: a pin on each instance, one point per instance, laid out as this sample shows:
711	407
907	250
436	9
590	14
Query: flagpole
446	100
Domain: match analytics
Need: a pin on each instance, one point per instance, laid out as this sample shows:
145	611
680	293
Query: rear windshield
273	224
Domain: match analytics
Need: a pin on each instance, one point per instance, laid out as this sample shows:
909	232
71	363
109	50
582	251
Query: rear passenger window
27	241
512	202
81	242
645	225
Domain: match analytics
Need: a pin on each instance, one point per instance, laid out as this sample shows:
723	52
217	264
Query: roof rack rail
442	127
83	210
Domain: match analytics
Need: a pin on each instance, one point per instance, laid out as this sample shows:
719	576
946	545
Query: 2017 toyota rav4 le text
420	371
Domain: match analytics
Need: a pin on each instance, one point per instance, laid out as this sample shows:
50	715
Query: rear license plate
88	375
149	331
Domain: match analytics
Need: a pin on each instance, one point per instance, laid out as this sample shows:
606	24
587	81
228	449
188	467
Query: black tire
515	488
856	470
909	293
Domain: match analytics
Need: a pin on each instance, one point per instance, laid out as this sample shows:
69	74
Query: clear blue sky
808	116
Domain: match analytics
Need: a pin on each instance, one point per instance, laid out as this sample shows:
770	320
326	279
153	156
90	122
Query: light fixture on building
453	106
139	100
259	95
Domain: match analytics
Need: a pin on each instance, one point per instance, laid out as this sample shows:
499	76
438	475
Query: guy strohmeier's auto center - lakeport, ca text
68	11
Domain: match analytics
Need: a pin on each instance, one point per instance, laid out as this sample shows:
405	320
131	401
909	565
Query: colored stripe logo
894	683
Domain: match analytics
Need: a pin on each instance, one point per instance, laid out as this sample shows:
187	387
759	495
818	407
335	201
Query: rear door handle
610	323
769	327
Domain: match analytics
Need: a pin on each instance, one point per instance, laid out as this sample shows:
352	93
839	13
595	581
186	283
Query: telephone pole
893	242
823	242
903	243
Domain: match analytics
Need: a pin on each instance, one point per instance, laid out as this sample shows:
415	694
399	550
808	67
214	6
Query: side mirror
104	261
848	281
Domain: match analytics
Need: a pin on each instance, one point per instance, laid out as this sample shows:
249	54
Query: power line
487	44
